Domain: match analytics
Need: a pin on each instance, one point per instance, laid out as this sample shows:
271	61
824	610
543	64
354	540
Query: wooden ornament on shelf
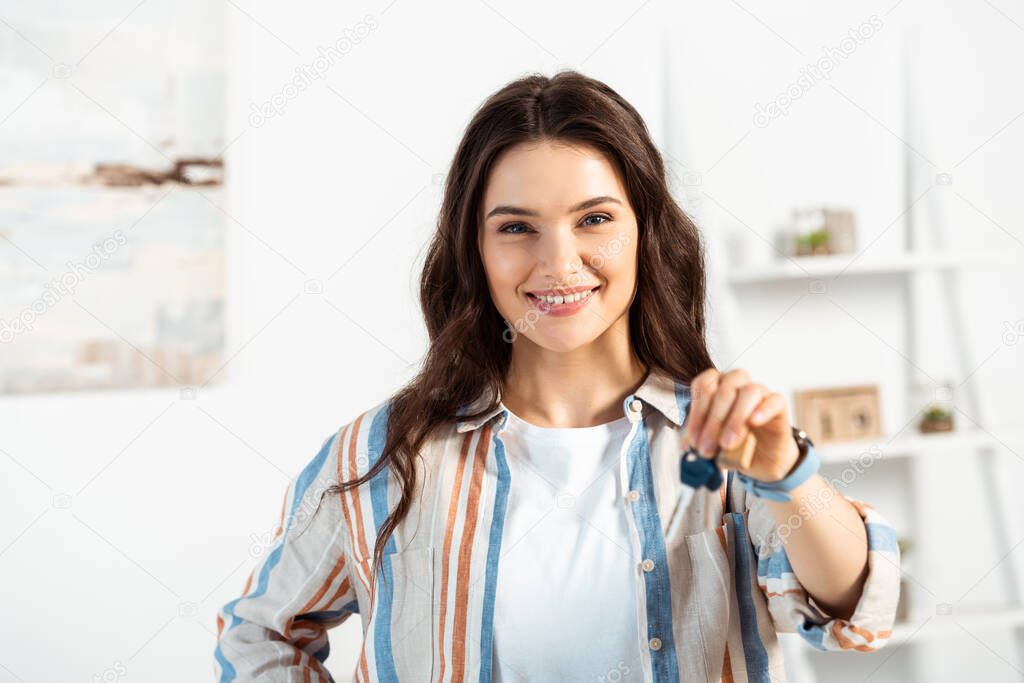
839	413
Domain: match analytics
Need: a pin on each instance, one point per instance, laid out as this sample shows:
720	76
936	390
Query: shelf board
965	440
973	619
835	265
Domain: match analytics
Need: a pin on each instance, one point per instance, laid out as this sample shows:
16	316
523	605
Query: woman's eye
510	228
506	228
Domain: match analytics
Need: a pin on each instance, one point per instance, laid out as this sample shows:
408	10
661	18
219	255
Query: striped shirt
714	587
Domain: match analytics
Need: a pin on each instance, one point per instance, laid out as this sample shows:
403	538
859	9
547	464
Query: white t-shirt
566	605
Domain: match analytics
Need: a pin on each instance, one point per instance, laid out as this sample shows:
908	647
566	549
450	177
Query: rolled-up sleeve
300	587
793	610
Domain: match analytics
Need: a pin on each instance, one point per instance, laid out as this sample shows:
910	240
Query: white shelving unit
909	446
968	441
836	265
925	269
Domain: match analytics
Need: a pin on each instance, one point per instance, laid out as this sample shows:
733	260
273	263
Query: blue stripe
329	615
773	566
305	479
753	649
812	633
379	501
493	551
881	537
652	545
683	402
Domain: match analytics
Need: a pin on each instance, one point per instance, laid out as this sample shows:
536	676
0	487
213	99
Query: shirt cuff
870	626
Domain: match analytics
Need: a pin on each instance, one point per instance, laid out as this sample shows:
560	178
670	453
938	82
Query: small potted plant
812	243
937	418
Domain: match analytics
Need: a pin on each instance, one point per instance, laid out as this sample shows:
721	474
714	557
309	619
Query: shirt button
647	564
635	405
633	496
655	643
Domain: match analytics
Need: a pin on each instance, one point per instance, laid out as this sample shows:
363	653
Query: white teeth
572	298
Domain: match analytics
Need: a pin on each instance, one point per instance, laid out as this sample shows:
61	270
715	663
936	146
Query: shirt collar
666	395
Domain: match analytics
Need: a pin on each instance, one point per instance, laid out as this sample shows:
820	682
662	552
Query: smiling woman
549	262
516	512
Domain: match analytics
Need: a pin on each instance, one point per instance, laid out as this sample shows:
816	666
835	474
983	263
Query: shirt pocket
403	612
704	594
709	563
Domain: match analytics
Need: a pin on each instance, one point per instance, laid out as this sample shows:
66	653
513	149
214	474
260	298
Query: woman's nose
560	255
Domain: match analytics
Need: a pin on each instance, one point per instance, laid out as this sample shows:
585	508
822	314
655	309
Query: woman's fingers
713	408
735	426
742	423
736	440
702	390
771	405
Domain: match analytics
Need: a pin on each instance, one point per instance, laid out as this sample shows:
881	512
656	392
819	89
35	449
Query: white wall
348	174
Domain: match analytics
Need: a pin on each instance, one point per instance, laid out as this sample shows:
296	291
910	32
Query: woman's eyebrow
506	210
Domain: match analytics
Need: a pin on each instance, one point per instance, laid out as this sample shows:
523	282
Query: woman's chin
563	343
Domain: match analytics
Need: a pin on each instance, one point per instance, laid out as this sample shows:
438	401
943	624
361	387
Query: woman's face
555	220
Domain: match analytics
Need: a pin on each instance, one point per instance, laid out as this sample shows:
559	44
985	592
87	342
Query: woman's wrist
806	465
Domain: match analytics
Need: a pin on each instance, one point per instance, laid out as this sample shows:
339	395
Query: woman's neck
581	388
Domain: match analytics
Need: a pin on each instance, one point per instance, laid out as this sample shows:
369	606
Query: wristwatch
697	471
807	463
803	443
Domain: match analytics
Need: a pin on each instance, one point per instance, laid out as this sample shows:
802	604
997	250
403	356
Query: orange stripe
862	632
245	591
341	559
726	662
248	582
727	667
846	643
342	589
280	521
453	508
465	555
353	473
302	643
338	566
785	592
309	664
362	651
348	494
317	629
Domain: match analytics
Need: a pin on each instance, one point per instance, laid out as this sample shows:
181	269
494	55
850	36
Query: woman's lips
559	310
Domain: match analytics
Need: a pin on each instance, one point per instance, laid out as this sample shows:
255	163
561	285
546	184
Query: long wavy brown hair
467	353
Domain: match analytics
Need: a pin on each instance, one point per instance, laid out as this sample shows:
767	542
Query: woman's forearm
826	543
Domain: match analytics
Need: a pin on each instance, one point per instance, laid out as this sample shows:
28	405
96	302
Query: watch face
802	440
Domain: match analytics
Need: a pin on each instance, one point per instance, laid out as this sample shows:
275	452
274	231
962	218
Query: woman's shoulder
362	438
360	433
